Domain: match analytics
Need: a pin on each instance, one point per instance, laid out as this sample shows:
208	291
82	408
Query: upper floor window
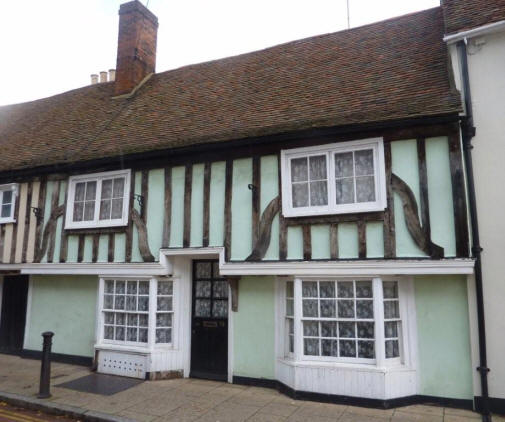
8	195
98	200
337	178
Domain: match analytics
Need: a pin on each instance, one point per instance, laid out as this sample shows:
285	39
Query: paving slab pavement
188	400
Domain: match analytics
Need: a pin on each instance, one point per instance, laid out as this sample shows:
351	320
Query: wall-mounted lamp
37	212
140	199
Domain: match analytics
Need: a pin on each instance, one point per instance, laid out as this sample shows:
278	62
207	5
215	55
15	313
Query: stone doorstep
34	403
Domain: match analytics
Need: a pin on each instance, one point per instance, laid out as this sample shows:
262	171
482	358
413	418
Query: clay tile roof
389	70
461	15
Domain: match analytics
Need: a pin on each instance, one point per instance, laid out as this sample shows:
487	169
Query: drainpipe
468	132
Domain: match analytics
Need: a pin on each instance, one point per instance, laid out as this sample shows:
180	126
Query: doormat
105	385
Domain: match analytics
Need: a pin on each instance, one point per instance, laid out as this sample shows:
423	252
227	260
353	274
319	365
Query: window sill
135	349
360	367
7	221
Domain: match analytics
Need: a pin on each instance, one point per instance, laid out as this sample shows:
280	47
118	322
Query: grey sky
53	46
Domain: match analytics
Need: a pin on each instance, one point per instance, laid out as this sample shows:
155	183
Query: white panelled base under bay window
98	200
351	337
346	177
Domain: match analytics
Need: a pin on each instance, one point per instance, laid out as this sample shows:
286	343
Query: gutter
467	133
475	32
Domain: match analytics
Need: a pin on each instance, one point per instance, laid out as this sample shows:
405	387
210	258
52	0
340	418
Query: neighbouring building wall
254	329
65	305
487	84
444	362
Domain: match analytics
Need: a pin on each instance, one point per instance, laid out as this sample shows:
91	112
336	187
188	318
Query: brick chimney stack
136	49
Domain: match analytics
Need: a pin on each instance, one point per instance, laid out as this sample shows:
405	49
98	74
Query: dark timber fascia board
138	160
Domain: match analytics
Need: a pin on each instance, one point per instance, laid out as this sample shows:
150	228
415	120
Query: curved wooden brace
265	230
48	231
145	252
410	209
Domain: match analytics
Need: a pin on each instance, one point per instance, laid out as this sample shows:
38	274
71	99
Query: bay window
136	312
337	178
8	195
343	320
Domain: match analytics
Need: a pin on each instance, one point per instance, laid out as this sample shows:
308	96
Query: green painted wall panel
216	203
155	207
405	165
254	329
177	220
375	240
67	306
72	248
103	248
119	247
445	367
320	240
347	235
47	208
196	238
241	209
88	249
295	243
59	223
440	194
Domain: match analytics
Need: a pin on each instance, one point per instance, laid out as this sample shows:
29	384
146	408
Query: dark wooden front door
209	327
13	316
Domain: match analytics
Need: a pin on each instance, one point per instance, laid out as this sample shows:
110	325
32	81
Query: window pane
391	309
300	193
109	318
289	307
365	329
143	287
119	302
347	348
7	197
78	211
105	210
131	303
318	193
365	189
327	289
108	302
164	303
107	189
89	210
165	288
311	347
310	308
108	332
364	162
131	334
347	329
163	335
364	289
120	319
392	349
346	308
309	289
299	170
90	191
220	289
118	191
143	335
6	210
311	328
80	188
329	348
120	287
143	303
202	288
143	320
131	288
364	309
390	329
202	307
344	165
328	329
163	320
318	167
120	334
327	309
203	269
289	289
132	320
117	208
390	289
345	289
220	308
366	349
344	191
109	286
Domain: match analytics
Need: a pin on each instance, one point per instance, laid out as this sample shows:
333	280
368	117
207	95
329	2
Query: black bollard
45	367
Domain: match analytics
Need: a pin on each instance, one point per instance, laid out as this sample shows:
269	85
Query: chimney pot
112	75
136	49
94	79
103	76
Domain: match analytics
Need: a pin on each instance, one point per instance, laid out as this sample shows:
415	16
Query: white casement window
337	178
98	200
8	195
343	320
137	312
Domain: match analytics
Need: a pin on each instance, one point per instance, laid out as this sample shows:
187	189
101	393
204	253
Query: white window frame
380	361
329	150
14	188
151	333
96	222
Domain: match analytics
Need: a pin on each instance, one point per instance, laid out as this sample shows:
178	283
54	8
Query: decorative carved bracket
410	209
265	230
233	282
